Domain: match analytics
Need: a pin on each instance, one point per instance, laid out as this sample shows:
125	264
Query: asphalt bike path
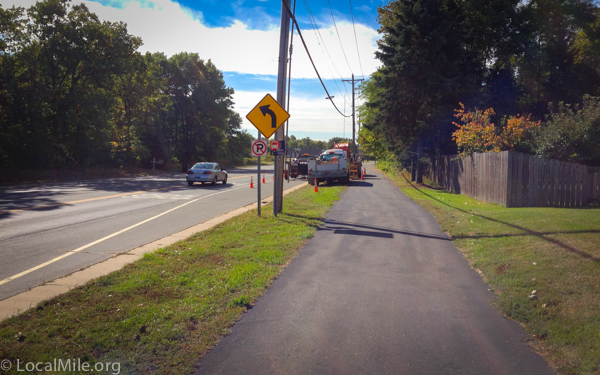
379	289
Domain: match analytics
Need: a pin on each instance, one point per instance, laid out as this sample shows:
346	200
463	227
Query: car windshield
203	166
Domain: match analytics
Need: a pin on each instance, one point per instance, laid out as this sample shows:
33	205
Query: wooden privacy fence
513	179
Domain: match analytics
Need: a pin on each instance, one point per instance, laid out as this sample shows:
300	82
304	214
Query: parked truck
354	161
332	165
299	166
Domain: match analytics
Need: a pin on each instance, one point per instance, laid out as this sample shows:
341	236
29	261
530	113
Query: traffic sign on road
274	145
259	147
267	116
277	147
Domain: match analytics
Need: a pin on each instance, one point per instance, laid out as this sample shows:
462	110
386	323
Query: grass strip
163	312
543	264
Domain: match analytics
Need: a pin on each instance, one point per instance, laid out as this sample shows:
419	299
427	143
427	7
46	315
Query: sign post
268	116
259	149
258	207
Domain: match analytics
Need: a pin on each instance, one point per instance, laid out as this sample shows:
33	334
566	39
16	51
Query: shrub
571	133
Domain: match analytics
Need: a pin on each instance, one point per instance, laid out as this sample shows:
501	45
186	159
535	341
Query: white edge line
106	238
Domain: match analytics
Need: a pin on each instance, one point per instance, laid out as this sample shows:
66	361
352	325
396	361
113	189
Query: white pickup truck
332	165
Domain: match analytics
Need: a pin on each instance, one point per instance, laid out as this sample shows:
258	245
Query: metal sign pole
258	179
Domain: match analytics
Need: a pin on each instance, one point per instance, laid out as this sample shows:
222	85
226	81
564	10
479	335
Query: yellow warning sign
267	116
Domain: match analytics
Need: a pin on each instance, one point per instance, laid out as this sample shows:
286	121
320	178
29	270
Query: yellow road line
94	199
105	238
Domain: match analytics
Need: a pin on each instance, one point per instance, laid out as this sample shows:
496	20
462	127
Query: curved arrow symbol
266	110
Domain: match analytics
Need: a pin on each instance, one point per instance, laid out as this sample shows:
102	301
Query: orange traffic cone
273	179
364	170
362	176
263	178
316	187
251	182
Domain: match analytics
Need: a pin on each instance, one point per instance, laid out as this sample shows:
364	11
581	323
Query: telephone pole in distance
353	112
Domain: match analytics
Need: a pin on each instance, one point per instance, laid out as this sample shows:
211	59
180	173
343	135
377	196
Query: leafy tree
12	30
571	133
371	143
138	94
73	92
510	55
291	142
61	61
547	71
478	134
427	65
586	49
201	108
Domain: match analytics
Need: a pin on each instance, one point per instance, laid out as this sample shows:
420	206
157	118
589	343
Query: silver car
206	172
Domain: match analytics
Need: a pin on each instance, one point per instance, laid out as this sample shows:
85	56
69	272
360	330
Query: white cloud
165	26
168	27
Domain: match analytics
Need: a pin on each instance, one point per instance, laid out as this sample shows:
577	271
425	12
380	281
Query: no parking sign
259	147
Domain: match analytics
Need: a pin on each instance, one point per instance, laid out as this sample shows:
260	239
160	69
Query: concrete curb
21	302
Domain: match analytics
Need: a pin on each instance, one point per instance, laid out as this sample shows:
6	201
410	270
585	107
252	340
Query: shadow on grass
318	220
528	232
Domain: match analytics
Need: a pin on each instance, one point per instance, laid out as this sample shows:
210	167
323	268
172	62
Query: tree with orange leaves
478	134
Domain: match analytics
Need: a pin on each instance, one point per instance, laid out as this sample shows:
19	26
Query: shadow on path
343	227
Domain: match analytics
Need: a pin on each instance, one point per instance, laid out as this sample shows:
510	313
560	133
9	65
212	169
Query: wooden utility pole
281	91
353	113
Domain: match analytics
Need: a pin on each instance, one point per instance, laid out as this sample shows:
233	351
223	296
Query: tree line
293	143
524	74
74	92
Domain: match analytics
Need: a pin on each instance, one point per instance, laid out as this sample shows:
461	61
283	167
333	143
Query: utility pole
353	112
281	90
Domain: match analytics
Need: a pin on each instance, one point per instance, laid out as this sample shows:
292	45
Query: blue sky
242	39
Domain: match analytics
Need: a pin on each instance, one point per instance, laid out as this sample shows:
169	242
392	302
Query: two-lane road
48	231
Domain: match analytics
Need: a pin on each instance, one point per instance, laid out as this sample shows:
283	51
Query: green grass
554	251
267	160
162	313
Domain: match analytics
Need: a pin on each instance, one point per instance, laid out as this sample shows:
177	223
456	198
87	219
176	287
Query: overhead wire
338	35
356	40
293	17
319	36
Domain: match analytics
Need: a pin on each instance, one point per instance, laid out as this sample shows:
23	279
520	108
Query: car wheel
214	181
190	183
225	181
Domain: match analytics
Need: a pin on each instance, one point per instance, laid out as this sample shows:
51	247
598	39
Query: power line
338	34
356	40
319	36
293	17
